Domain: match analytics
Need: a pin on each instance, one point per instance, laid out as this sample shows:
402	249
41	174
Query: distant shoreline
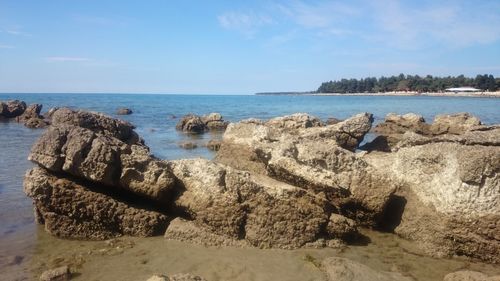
397	94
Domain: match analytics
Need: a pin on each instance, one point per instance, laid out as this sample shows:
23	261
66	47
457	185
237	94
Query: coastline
396	94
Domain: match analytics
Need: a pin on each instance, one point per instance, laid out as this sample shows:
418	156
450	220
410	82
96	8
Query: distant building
463	89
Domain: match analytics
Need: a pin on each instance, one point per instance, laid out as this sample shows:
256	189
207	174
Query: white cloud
16	31
452	24
67	59
245	23
320	15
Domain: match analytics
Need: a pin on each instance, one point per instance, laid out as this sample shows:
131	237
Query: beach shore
431	94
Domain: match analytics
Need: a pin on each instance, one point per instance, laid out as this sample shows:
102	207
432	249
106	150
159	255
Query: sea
155	117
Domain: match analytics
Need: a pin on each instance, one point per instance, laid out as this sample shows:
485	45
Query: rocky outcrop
28	115
199	124
342	269
451	180
93	158
12	109
288	183
176	277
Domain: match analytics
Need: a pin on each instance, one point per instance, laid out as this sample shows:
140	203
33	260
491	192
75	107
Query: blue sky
238	46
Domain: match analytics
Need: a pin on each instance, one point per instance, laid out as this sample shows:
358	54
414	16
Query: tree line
413	83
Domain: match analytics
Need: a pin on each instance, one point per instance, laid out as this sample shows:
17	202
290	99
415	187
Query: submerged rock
342	269
57	274
124	111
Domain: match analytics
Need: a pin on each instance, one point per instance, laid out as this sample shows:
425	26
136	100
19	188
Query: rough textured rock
12	109
97	123
106	160
454	123
31	117
294	121
57	274
468	275
453	185
342	269
192	124
341	227
393	130
214	121
124	111
74	210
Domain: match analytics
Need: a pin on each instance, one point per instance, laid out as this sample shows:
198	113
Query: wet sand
129	258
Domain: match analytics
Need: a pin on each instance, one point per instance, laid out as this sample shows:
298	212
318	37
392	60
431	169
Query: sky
238	47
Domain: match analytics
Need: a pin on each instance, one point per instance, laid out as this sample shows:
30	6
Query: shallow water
26	248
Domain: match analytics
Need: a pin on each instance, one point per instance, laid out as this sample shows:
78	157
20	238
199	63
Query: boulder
394	126
454	186
106	160
12	109
214	122
80	210
31	117
124	111
191	124
468	275
455	124
342	269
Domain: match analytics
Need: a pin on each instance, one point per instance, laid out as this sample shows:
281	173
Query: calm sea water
155	117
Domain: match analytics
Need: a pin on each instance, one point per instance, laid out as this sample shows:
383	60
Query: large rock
214	122
12	109
456	124
449	197
191	124
342	269
106	160
238	205
78	210
31	117
97	123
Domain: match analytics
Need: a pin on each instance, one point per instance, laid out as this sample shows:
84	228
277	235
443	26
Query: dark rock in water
188	145
214	145
12	109
191	124
74	210
198	124
124	111
57	274
31	117
214	122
